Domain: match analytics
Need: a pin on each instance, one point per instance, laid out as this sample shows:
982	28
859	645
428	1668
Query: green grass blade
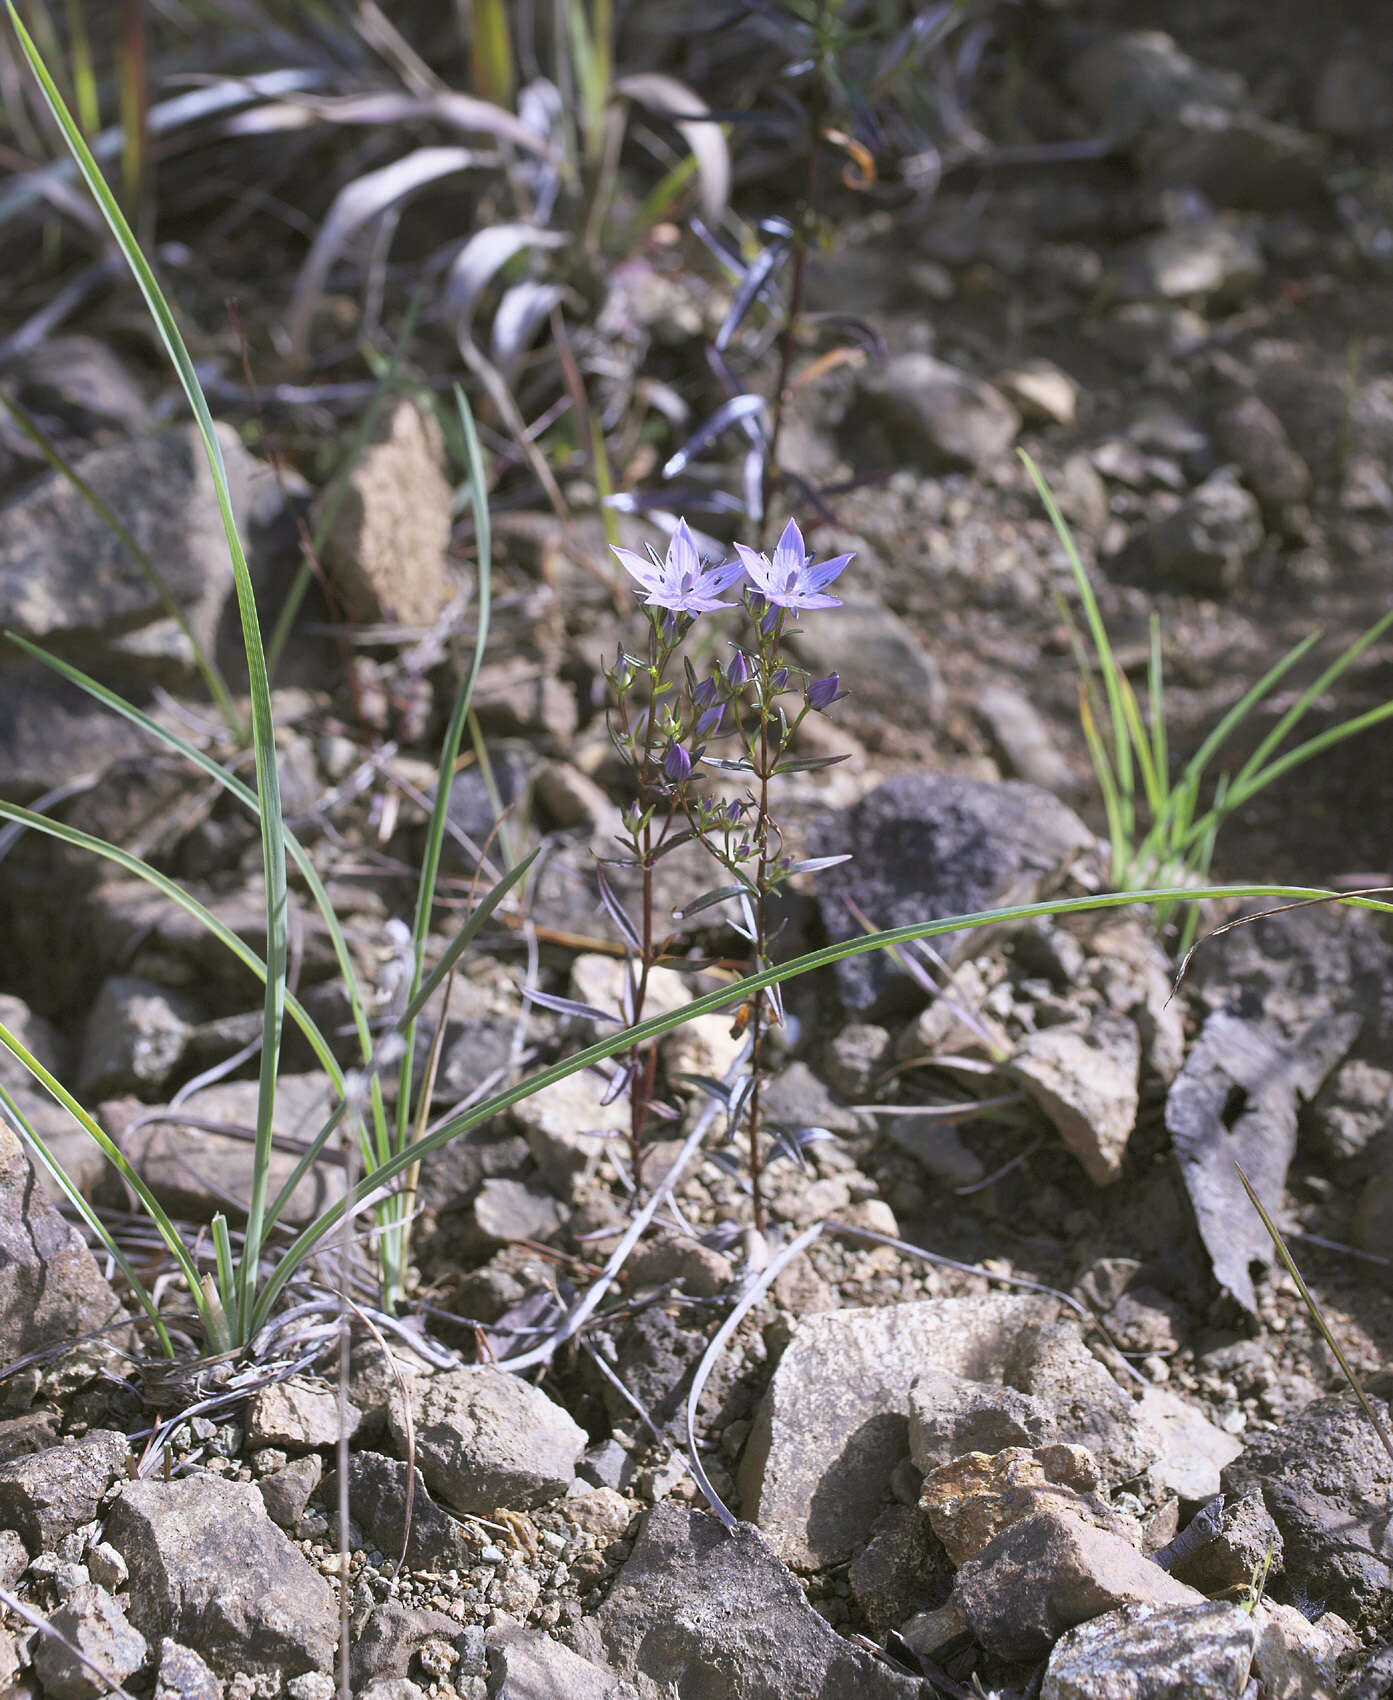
263	728
93	1221
1224	728
1107	662
448	959
247	797
190	904
1153	783
158	1215
449	751
207	667
1120	848
1156	701
1298	709
1317	1316
728	997
1240	792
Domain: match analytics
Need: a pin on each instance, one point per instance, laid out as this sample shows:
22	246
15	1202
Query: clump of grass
1161	830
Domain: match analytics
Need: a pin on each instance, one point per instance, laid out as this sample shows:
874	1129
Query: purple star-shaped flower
791	580
681	583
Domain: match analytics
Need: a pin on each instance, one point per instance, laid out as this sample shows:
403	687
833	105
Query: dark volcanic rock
209	1568
713	1612
926	847
46	1495
1327	1481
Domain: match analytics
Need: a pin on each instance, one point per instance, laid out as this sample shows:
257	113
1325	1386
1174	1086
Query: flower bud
780	679
822	693
738	673
677	764
704	694
710	721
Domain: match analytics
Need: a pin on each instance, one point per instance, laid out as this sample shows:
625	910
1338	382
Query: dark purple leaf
616	911
738	408
708	900
758	274
569	1006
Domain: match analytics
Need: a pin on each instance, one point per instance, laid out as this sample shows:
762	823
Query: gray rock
949	1416
285	1493
393	1688
51	1290
1132	80
858	1051
939	1147
879	660
386	546
927	847
901	1566
377	1497
1248	1544
1021	733
1254	438
39	1037
393	1639
1327	1480
506	1209
1191	1452
82	383
209	1567
197	1170
106	1566
92	1624
1086	1083
1354	92
183	1675
833	1423
1049	1572
1206	542
703	1271
299	1413
311	1685
1296	1659
713	1612
14	1558
1056	1367
524	1663
1234	158
1203	260
562	1124
135	1037
66	581
1183	1652
939	418
1146	334
485	1439
48	1494
1041	391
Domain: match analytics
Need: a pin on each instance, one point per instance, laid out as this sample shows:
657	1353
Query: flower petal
637	568
790	553
682	556
817	577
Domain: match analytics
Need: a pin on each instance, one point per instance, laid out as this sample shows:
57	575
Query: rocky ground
974	1434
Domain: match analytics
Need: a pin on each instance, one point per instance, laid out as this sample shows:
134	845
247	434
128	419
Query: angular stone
506	1209
949	1416
1217	259
524	1663
1090	1408
927	847
394	1638
93	1625
833	1423
1086	1081
82	382
210	1568
135	1036
67	580
1297	1659
1182	1652
386	546
1049	1572
1209	538
713	1612
901	1567
50	1287
1254	438
285	1493
1191	1451
1327	1482
377	1500
941	418
46	1495
183	1675
298	1413
1041	391
564	1124
977	1497
485	1439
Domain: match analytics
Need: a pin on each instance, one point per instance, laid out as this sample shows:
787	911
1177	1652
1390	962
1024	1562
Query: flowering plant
664	728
